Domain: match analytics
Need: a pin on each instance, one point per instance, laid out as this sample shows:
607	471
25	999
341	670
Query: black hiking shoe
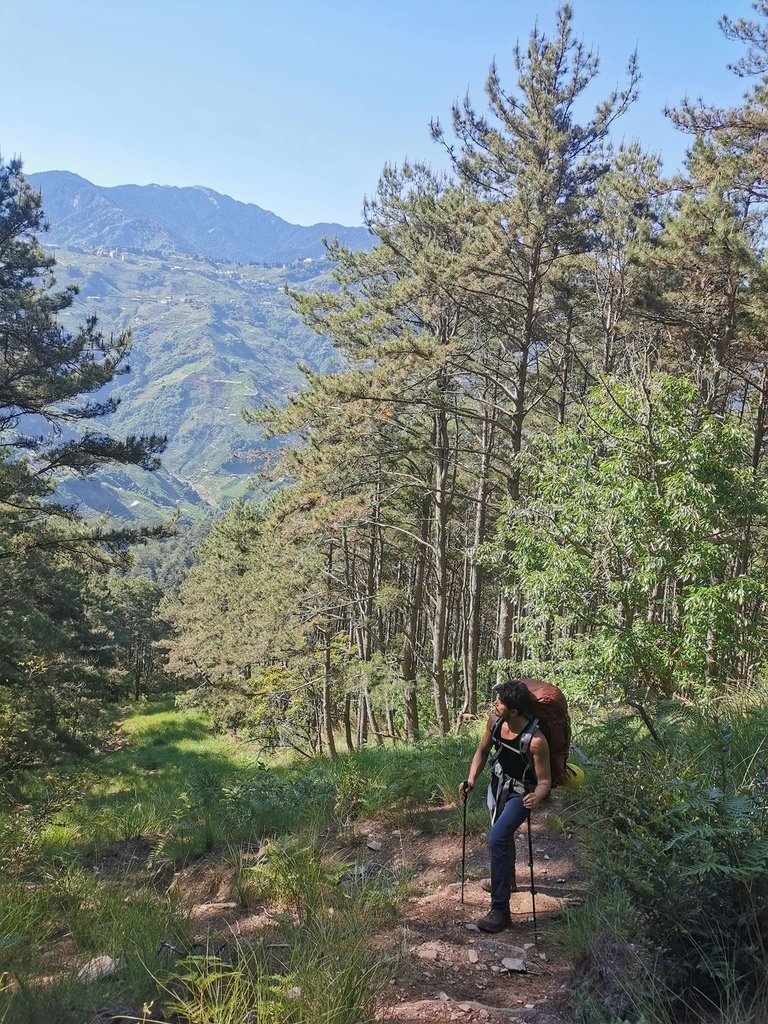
495	920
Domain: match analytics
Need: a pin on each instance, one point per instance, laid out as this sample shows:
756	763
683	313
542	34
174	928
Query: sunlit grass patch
91	858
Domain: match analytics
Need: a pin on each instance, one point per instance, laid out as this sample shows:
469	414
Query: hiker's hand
531	801
465	789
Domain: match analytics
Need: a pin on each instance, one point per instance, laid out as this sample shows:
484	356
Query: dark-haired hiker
520	780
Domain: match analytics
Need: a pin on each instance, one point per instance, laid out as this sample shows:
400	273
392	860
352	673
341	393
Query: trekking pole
464	840
533	887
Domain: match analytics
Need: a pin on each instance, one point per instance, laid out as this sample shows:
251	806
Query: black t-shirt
515	761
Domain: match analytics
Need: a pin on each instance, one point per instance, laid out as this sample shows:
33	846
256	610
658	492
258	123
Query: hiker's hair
514	694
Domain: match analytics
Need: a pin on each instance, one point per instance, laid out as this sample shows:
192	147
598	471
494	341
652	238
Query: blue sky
297	104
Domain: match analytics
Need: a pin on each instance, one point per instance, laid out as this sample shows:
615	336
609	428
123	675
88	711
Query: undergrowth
676	843
87	853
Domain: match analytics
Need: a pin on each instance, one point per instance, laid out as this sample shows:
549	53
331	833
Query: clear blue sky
297	104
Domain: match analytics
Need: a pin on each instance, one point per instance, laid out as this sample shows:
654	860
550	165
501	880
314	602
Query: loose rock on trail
453	971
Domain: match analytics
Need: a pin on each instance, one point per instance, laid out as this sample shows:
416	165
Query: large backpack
551	708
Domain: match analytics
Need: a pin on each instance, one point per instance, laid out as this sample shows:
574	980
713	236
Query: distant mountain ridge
166	220
202	282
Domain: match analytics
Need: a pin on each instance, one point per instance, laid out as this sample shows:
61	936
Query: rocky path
450	970
447	970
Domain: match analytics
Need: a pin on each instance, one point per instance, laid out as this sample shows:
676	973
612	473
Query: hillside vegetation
138	855
208	341
540	450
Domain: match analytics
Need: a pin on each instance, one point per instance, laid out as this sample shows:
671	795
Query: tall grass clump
677	833
323	970
331	986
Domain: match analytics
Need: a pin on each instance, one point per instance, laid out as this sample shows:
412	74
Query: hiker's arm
478	761
540	755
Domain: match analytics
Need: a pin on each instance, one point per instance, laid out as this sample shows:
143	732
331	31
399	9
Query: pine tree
532	168
50	379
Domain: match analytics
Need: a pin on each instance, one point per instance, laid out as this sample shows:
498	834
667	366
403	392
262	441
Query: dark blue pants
500	839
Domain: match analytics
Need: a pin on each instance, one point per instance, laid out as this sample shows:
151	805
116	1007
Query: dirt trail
448	970
452	971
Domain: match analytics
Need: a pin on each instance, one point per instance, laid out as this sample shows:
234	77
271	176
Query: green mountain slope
209	340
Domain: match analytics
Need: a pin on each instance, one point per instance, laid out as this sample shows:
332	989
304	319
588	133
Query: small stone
539	849
228	905
473	955
513	964
542	956
529	945
444	996
496	969
97	968
466	1007
561	881
373	845
530	1006
471	927
547	857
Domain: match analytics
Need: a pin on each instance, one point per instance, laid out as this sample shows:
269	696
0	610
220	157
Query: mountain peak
177	220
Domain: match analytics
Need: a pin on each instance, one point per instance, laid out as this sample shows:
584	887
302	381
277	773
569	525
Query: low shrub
679	827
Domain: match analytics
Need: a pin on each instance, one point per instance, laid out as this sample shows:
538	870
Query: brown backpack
551	708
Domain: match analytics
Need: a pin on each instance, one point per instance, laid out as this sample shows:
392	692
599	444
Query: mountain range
200	279
163	220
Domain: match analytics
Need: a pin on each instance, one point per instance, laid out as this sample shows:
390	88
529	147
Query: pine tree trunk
440	439
475	589
327	718
348	722
408	661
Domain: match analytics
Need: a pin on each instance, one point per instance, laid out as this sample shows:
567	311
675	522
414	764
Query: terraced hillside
200	279
209	340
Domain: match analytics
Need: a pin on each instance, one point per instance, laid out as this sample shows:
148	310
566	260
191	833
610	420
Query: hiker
520	780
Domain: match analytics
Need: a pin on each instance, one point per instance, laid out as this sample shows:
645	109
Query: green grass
322	971
87	853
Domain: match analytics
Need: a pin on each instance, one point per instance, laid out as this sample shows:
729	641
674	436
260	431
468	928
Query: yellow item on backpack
574	776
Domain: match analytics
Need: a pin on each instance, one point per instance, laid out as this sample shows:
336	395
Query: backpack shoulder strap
527	735
496	732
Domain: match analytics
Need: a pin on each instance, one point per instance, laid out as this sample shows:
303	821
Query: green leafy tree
632	543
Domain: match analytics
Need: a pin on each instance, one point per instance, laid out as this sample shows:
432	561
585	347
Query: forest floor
447	970
439	966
